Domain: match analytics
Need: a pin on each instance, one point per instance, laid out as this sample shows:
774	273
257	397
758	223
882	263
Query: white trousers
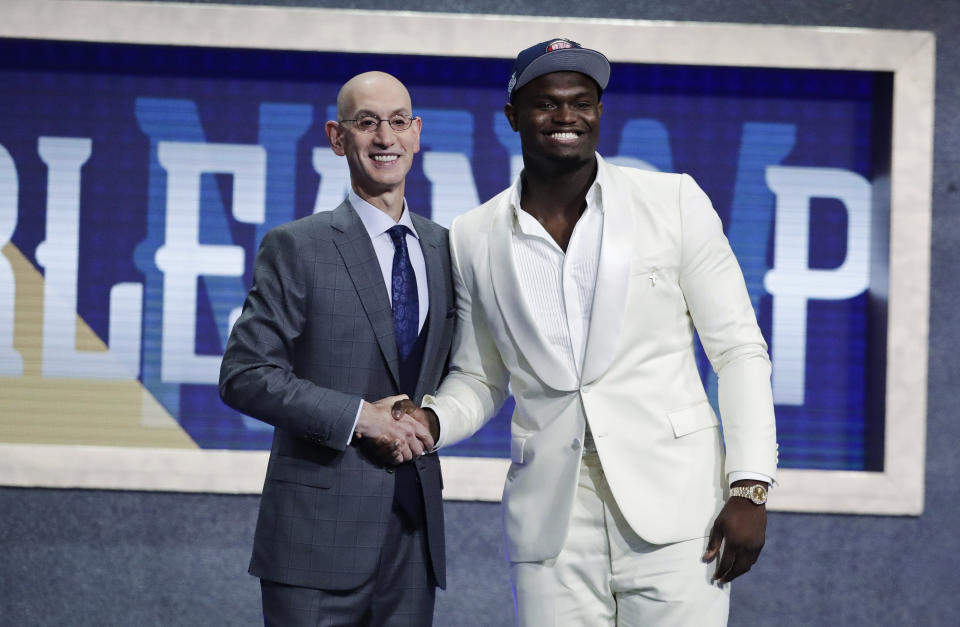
607	575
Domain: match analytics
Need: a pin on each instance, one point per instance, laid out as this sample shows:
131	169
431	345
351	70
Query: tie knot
398	234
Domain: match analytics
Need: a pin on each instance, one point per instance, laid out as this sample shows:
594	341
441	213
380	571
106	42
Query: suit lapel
531	344
438	284
356	249
613	274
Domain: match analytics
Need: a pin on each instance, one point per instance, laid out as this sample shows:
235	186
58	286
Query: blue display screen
139	180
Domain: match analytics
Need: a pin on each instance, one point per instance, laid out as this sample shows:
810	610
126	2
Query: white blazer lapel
613	274
530	343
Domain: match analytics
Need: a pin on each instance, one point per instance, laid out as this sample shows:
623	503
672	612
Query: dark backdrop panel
101	558
91	558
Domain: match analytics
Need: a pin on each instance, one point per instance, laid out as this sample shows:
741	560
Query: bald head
370	86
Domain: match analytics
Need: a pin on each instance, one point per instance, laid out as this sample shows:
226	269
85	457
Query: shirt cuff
428	402
356	419
738	475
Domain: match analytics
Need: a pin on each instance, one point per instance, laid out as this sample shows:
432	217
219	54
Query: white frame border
899	489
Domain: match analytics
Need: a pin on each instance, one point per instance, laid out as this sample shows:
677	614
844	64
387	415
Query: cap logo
559	44
513	81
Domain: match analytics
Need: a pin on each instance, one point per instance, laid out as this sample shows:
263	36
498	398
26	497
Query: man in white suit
581	286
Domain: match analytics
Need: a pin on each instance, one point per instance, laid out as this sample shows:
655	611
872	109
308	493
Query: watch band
757	494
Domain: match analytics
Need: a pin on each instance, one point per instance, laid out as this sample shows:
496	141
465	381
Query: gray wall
106	558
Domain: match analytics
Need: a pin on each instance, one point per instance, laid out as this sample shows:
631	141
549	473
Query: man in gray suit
349	306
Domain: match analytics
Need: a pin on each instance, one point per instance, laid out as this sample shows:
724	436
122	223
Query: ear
511	114
416	128
335	135
599	109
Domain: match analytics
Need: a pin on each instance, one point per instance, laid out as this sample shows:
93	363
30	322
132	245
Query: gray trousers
400	593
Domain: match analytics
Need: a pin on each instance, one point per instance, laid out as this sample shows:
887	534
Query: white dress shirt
558	287
377	223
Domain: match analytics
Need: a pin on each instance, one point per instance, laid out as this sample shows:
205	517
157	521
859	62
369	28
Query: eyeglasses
368	123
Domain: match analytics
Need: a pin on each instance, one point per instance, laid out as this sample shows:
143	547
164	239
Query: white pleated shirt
558	287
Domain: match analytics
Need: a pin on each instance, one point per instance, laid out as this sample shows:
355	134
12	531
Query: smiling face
558	118
378	161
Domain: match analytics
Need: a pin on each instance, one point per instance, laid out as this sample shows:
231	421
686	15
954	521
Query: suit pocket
302	472
692	419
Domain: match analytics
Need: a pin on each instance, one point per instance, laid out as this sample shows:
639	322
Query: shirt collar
375	221
523	221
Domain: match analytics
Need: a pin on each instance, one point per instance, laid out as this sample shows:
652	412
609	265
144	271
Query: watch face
758	495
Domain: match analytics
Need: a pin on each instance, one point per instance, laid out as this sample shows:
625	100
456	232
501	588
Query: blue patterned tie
406	304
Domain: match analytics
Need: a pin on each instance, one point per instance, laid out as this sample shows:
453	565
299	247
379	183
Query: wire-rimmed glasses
369	123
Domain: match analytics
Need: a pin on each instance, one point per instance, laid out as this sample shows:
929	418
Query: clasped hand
391	439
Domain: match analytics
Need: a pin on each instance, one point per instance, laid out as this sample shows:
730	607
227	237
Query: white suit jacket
665	269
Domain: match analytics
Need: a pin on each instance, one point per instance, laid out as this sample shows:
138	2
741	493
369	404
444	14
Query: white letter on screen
453	190
334	179
11	364
792	282
58	254
183	259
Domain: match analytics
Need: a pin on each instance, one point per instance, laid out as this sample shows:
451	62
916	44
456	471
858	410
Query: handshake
395	430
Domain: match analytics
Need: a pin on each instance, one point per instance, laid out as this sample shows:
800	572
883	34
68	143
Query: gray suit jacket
316	336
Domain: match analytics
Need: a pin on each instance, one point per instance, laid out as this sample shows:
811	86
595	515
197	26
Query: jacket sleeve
477	384
257	374
723	315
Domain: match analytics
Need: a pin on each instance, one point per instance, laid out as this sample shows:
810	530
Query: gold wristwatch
756	493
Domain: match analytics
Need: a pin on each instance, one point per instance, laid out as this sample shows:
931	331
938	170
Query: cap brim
583	60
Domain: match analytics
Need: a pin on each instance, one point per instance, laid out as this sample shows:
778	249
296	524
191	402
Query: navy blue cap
557	55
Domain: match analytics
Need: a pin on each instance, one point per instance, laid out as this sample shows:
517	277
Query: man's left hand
741	529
